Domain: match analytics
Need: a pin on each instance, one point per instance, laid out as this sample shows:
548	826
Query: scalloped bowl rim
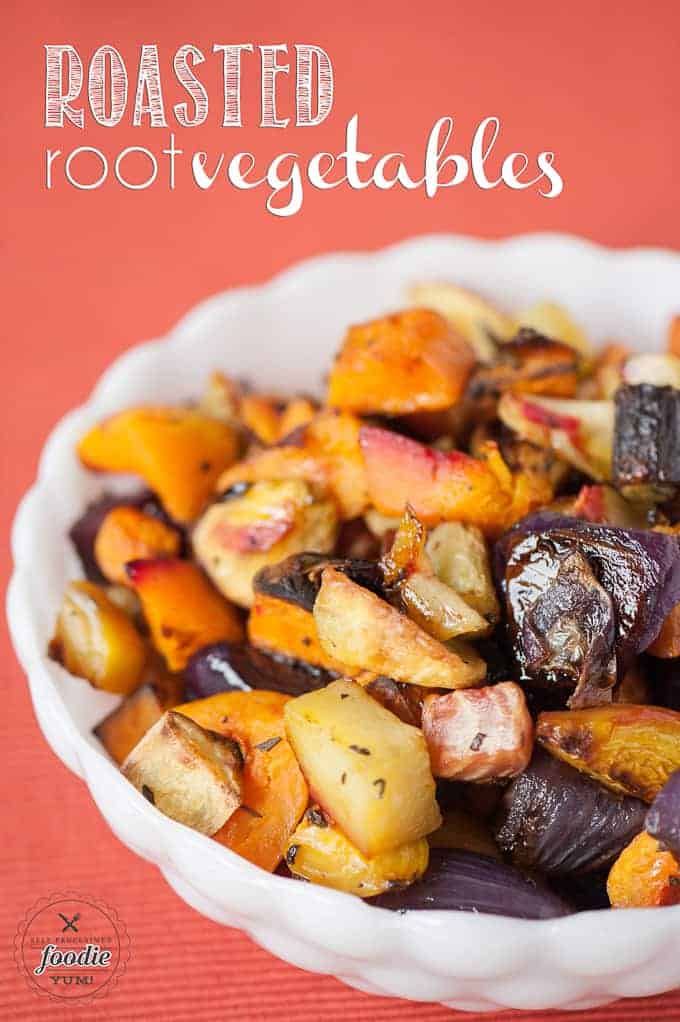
463	959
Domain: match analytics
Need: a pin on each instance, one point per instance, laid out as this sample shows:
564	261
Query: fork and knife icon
70	923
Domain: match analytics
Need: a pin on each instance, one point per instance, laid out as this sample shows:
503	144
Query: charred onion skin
238	666
639	571
554	819
646	457
467	882
297	579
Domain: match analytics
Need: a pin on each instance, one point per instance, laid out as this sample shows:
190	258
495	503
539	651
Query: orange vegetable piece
284	628
127	534
261	415
183	610
408	362
180	453
297	412
274	791
325	453
645	875
448	486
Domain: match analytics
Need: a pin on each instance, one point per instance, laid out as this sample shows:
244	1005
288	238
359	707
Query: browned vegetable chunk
631	749
127	534
408	362
478	734
182	609
645	875
529	364
120	731
285	629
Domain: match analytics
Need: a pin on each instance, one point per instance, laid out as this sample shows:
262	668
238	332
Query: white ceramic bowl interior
282	335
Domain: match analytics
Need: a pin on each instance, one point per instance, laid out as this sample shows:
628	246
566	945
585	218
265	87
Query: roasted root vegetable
441	486
631	749
127	534
645	875
406	701
528	364
358	628
467	882
663	816
460	558
581	432
182	609
479	322
274	792
261	524
408	362
94	639
646	459
191	774
554	819
178	452
369	771
120	731
239	667
604	504
285	629
318	851
551	319
479	734
325	452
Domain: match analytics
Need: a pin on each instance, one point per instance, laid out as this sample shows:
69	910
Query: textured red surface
86	274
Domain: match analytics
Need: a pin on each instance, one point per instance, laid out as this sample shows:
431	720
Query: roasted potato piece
190	774
552	320
358	628
529	364
286	629
127	534
408	362
630	749
460	558
182	609
465	832
94	639
366	768
274	792
645	875
320	852
439	610
263	525
476	320
179	453
480	734
581	432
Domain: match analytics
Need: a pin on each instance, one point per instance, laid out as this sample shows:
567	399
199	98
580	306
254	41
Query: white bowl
282	335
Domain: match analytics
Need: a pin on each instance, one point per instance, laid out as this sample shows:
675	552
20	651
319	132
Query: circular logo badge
71	947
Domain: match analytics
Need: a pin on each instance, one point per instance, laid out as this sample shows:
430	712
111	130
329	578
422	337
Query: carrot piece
183	610
180	453
645	875
127	534
274	791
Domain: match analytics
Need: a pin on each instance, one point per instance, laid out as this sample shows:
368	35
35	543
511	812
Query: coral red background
86	274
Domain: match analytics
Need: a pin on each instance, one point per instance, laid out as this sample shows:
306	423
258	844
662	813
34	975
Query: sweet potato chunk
127	534
94	639
182	609
358	628
325	452
318	851
190	774
645	875
368	770
179	453
631	749
285	629
480	734
408	362
274	792
270	521
479	322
